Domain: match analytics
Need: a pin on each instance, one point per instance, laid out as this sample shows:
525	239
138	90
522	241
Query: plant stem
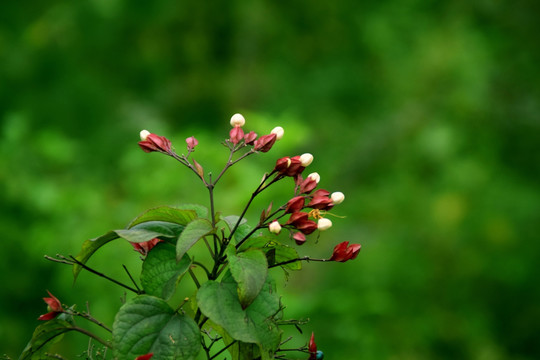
222	350
305	258
63	260
93	336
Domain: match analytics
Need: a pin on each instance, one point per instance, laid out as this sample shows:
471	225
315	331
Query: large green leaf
167	214
44	336
138	233
249	270
161	272
219	301
193	232
147	324
275	252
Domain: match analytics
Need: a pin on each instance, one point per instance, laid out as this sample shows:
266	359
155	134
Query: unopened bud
315	176
274	227
191	143
324	224
306	159
144	134
278	130
237	120
337	197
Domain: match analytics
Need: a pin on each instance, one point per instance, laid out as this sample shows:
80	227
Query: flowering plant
236	307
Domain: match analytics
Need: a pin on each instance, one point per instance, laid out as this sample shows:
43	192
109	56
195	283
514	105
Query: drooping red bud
343	252
264	143
299	238
321	192
282	164
295	167
191	143
250	137
295	204
236	134
154	142
302	223
321	203
144	357
54	305
144	247
308	185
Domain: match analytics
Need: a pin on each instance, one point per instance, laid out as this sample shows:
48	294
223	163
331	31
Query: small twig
132	279
72	260
305	258
203	267
93	336
222	350
195	280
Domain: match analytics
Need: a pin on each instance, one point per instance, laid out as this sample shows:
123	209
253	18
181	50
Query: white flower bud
315	176
324	224
144	134
337	197
278	130
274	227
306	159
237	120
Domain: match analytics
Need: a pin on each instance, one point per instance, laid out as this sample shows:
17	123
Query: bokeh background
426	114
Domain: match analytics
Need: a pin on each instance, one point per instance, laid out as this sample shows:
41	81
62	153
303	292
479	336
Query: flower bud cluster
302	223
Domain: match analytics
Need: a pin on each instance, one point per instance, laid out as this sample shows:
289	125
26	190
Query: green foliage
161	272
254	324
428	113
194	231
147	324
45	336
249	269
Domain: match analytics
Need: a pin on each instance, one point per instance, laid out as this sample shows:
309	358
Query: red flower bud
321	192
312	348
308	185
54	305
191	143
264	143
301	222
145	246
343	252
144	357
299	238
295	204
282	164
321	203
236	134
295	167
250	137
154	142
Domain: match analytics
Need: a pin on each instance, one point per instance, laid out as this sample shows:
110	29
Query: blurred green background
426	114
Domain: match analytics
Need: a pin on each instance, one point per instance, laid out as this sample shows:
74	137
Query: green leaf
166	229
242	230
139	233
219	301
249	269
275	252
147	324
161	272
202	211
89	247
167	214
193	232
44	336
